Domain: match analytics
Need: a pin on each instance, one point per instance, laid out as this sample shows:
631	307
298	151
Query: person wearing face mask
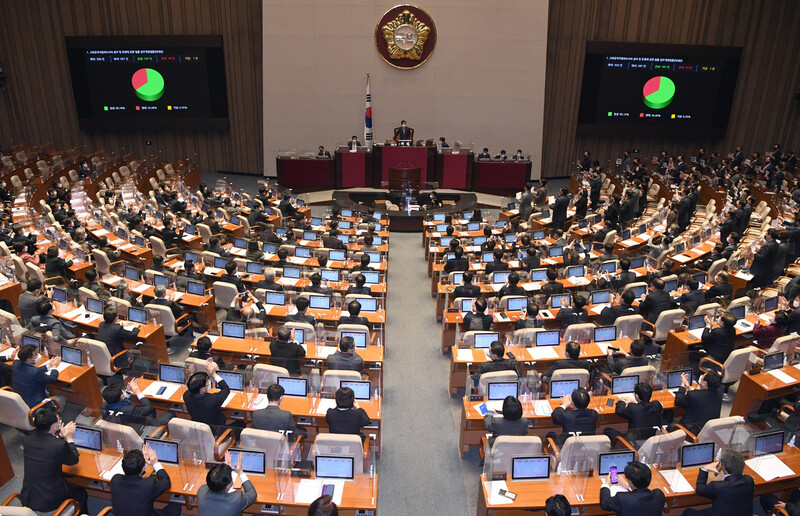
31	382
721	288
118	408
403	134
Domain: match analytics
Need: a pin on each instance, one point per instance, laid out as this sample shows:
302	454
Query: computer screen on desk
605	334
254	268
538	235
670	285
345	224
638	290
697	454
458	277
333	467
538	274
484	340
72	355
234	380
738	311
623	384
346	213
770	303
560	300
675	377
626	234
637	262
377	239
701	277
530	468
556	251
171	373
336	255
561	388
487	257
137	315
192	257
269	248
609	267
768	442
466	304
59	294
275	298
444	241
618	459
371	277
291	272
510	238
316	221
576	271
696	321
302	252
166	451
189	229
131	274
438	217
359	338
600	297
361	389
500	277
293	386
220	262
329	275
233	330
88	438
253	461
30	340
501	390
473	226
441	228
368	304
319	302
310	235
547	338
516	304
680	247
478	240
773	361
161	280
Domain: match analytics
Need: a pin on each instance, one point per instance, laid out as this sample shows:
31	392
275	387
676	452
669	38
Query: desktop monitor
234	380
701	277
310	235
561	388
768	442
770	303
626	234
269	248
583	223
159	279
72	355
623	384
538	274
444	241
290	271
281	232
680	247
547	338
598	297
240	243
275	298
605	334
234	330
609	267
556	251
511	205
235	222
30	340
638	290
220	262
368	304
171	373
302	252
670	285
122	234
741	263
377	239
538	235
466	304
448	256
697	454
576	271
618	459
530	468
642	228
474	226
334	467
293	386
458	277
166	451
137	315
195	288
545	214
371	277
478	240
81	254
254	268
516	304
484	340
330	275
501	390
319	302
131	274
345	239
59	294
738	311
374	256
637	262
189	256
500	277
189	229
441	228
773	361
361	389
299	335
510	238
316	221
466	215
500	224
138	241
487	257
345	224
88	438
359	338
675	377
336	255
438	217
560	300
253	461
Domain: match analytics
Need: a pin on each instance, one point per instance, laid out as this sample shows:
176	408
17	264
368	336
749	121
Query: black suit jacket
610	314
174	307
233	280
701	405
568	363
655	303
286	354
719	342
354	319
764	263
30	382
639	502
132	495
552	287
43	485
275	419
466	291
642	417
576	420
560	211
496	265
346	421
692	299
732	496
127	413
114	335
724	289
207	408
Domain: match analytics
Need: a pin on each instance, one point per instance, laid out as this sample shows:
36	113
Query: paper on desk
744	325
92	318
494	405
140	288
697	332
260	402
599	308
549	261
604	346
112	279
677	482
211	271
542	408
769	467
152	389
6	354
630	242
681	258
494	487
116	470
308	490
579	280
465	355
615	488
62	366
130	326
289	282
325	351
543	352
127	247
745	276
780	375
212	338
76	312
325	404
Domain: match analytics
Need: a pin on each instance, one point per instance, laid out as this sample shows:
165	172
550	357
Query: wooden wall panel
763	112
37	104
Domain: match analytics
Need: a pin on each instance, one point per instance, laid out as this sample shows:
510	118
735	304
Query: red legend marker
137	108
641	115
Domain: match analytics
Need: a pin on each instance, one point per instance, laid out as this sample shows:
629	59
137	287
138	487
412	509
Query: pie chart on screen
658	92
148	84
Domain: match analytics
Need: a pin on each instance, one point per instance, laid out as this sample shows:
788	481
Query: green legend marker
658	92
610	113
148	84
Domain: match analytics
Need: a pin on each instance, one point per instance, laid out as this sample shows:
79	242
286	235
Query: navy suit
639	502
30	382
655	303
577	420
207	408
701	406
732	496
132	495
43	485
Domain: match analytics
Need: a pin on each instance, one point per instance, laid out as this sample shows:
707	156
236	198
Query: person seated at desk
213	225
511	288
55	265
94	285
354	144
635	359
701	404
158	266
693	298
203	352
625	276
512	422
485	154
532	260
250	314
285	352
360	287
368	244
29	381
254	253
573	416
643	416
557	505
217	498
133	494
532	318
497	361
29	300
113	335
275	419
269	282
216	248
231	277
322	153
457	263
160	291
477	319
576	314
765	335
721	288
347	417
316	286
717	342
637	500
301	304
353	309
656	302
118	408
122	291
442	143
43	485
168	233
346	358
622	305
551	286
600	236
283	258
466	289
770	501
203	406
498	264
403	133
364	264
608	254
430	200
256	217
732	495
20	250
518	156
571	360
45	321
502	156
330	241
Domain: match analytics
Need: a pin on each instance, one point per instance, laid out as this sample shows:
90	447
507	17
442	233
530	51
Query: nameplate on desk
499	475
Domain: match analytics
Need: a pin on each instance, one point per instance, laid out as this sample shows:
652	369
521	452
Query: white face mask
796	303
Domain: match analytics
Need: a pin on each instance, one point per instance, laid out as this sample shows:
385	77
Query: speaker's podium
404	181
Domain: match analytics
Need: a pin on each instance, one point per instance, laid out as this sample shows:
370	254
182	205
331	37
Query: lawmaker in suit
702	404
655	302
403	133
572	360
621	306
231	277
573	416
559	208
346	358
285	352
466	289
354	144
765	261
216	498
721	288
512	422
477	319
497	361
113	334
117	408
693	298
719	342
574	315
526	202
29	381
43	485
730	496
29	300
202	405
636	358
301	304
638	500
274	419
643	416
132	494
45	321
346	417
353	309
160	292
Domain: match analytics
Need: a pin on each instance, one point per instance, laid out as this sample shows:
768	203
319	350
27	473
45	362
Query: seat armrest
706	360
366	448
63	280
176	249
44	402
10	498
6	388
689	435
68	503
777	511
178	328
373	337
786	409
114	368
114	264
105	511
482	449
620	439
551	444
159	431
222	444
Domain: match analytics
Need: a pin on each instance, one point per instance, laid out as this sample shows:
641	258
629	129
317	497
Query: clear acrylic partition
281	467
577	470
663	454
